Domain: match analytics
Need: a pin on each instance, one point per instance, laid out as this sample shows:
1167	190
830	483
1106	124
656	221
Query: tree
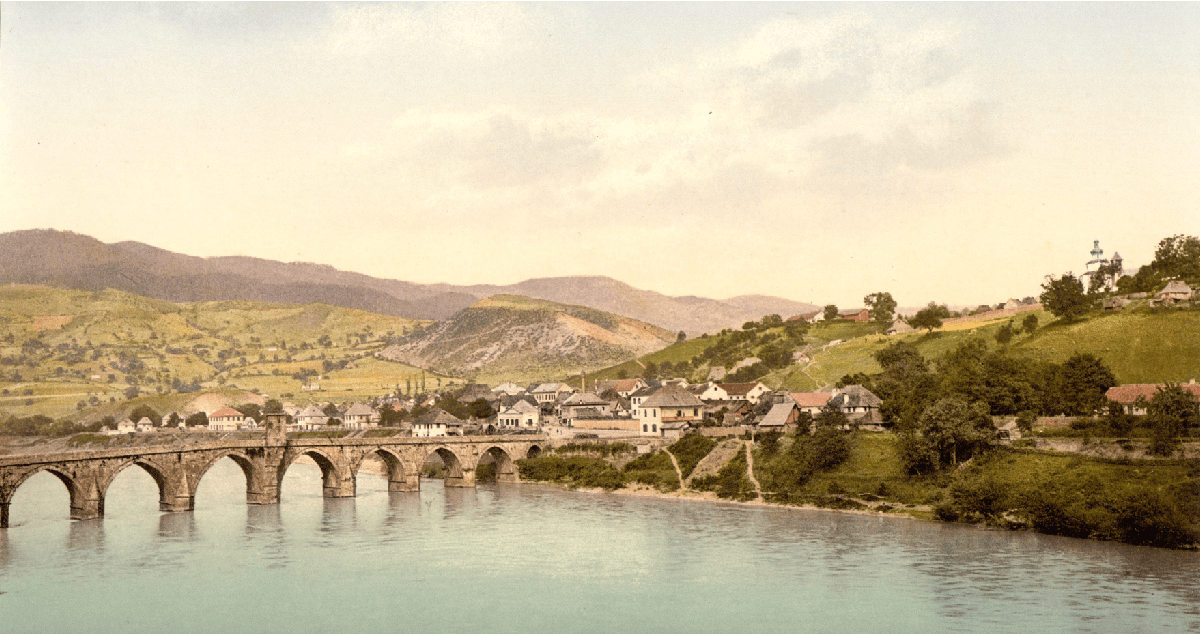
1083	381
273	406
651	370
1065	297
330	409
681	336
144	411
1005	334
1030	324
131	392
830	312
772	321
1104	277
929	317
880	306
956	429
199	419
1179	257
252	410
173	419
1170	412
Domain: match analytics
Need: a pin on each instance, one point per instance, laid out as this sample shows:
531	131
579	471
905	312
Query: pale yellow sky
948	152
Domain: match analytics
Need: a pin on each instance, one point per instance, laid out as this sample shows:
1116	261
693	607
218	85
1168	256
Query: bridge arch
534	451
168	488
249	470
505	467
74	491
337	475
456	474
401	477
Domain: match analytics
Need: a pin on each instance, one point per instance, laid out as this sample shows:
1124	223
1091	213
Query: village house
310	418
623	387
749	392
811	317
549	393
1175	291
437	423
512	389
856	401
358	416
226	419
127	426
780	417
520	415
730	412
567	409
1134	397
636	398
668	405
145	424
811	402
854	314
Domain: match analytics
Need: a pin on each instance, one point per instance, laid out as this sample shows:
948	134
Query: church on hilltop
1097	261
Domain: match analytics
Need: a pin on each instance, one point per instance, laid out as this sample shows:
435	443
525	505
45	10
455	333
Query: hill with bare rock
520	338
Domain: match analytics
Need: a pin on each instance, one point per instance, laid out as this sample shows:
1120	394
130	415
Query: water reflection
402	507
338	514
177	527
86	535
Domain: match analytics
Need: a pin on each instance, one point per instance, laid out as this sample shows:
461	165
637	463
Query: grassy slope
180	341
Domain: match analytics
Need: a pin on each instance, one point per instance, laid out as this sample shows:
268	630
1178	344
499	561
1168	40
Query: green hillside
1139	345
67	352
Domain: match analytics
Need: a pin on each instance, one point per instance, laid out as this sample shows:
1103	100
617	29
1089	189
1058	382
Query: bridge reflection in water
178	469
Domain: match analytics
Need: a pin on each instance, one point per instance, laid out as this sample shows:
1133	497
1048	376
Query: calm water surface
526	558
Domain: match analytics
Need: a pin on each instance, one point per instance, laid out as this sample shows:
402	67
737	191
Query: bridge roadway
178	469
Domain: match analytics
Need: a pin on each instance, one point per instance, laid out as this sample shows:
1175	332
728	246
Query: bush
690	450
654	469
730	482
576	471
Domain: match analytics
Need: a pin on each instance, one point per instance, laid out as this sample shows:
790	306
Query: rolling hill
70	260
509	337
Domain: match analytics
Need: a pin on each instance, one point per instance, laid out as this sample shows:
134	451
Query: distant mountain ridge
71	260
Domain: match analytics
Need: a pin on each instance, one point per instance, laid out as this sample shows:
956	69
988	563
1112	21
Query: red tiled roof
226	412
811	399
1129	393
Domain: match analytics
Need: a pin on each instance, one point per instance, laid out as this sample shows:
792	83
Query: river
531	558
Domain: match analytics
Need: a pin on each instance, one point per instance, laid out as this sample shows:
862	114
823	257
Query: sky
950	152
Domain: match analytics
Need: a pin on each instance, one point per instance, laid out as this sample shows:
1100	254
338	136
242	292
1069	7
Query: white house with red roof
226	419
668	406
1133	397
749	392
811	402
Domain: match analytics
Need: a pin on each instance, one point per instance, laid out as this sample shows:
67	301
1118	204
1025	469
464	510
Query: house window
654	428
644	427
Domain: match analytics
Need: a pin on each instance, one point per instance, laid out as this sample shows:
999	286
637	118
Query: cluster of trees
942	410
1176	258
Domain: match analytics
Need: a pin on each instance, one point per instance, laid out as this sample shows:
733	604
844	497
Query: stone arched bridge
178	469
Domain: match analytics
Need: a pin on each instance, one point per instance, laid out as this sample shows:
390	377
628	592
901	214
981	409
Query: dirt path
750	471
679	474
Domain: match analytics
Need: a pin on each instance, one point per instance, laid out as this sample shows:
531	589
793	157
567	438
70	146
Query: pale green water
524	558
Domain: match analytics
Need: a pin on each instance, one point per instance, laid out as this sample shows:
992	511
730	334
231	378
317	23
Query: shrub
730	482
690	450
575	471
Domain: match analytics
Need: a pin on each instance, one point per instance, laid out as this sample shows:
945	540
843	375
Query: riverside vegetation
1145	502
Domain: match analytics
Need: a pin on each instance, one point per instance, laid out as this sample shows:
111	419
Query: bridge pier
88	509
335	487
3	514
177	504
466	480
407	483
